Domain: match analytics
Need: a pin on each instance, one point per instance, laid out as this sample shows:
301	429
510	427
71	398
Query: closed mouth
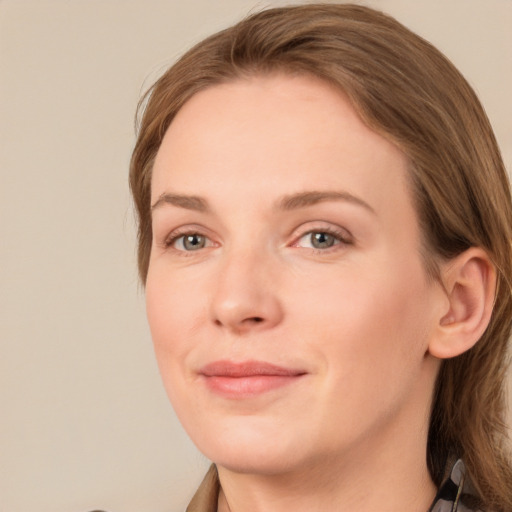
247	379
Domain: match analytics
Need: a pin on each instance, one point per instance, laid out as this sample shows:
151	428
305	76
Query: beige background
84	421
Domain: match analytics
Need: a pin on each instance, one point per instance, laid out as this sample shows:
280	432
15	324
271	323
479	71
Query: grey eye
191	242
321	240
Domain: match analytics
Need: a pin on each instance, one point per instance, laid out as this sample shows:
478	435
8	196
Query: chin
256	462
249	451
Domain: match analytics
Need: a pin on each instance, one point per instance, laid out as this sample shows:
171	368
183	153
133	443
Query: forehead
298	130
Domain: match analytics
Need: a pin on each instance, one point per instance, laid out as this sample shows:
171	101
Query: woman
324	237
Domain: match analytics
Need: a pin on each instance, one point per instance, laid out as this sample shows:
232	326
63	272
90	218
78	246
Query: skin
357	317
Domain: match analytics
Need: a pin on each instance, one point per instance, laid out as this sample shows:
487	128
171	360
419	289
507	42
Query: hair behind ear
469	414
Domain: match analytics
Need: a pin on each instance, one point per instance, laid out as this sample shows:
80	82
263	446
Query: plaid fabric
456	494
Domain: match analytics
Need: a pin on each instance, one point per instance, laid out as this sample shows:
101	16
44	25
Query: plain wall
85	423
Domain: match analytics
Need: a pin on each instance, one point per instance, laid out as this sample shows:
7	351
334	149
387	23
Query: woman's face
289	307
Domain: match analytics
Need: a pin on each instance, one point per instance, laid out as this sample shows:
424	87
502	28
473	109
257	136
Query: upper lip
247	369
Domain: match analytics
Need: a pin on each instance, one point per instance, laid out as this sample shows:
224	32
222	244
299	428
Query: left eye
318	240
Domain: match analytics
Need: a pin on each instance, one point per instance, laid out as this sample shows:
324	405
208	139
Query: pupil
193	242
322	240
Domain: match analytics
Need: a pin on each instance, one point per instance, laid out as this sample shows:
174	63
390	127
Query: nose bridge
246	297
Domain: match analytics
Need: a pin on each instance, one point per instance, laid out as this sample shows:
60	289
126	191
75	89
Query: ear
469	281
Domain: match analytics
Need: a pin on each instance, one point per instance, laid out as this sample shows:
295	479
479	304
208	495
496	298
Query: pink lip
246	379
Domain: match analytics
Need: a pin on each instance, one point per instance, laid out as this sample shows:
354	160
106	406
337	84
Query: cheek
368	326
371	340
172	318
162	314
173	312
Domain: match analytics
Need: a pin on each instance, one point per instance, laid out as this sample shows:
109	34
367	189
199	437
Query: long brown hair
406	90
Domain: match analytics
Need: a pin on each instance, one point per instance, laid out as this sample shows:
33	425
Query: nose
246	298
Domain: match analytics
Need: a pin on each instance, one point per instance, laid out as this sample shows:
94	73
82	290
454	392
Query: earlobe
469	282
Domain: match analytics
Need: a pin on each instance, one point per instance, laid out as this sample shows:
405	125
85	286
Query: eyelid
174	242
176	234
342	235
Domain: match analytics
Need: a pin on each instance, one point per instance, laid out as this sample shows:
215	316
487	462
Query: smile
247	379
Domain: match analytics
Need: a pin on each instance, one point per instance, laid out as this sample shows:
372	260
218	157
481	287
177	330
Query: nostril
242	323
245	321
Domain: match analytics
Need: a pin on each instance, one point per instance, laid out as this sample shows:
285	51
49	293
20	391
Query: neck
367	479
371	488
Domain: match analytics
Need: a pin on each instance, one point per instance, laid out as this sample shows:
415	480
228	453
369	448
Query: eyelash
177	234
342	238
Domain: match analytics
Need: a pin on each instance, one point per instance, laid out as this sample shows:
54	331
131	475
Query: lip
247	379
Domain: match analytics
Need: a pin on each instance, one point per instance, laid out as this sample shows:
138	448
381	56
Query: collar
206	497
455	494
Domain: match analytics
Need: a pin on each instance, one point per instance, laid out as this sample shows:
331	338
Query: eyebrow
182	201
304	199
287	203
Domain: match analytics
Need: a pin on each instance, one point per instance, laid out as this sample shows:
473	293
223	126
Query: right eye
189	242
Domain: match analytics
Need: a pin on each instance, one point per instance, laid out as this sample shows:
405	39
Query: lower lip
246	387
